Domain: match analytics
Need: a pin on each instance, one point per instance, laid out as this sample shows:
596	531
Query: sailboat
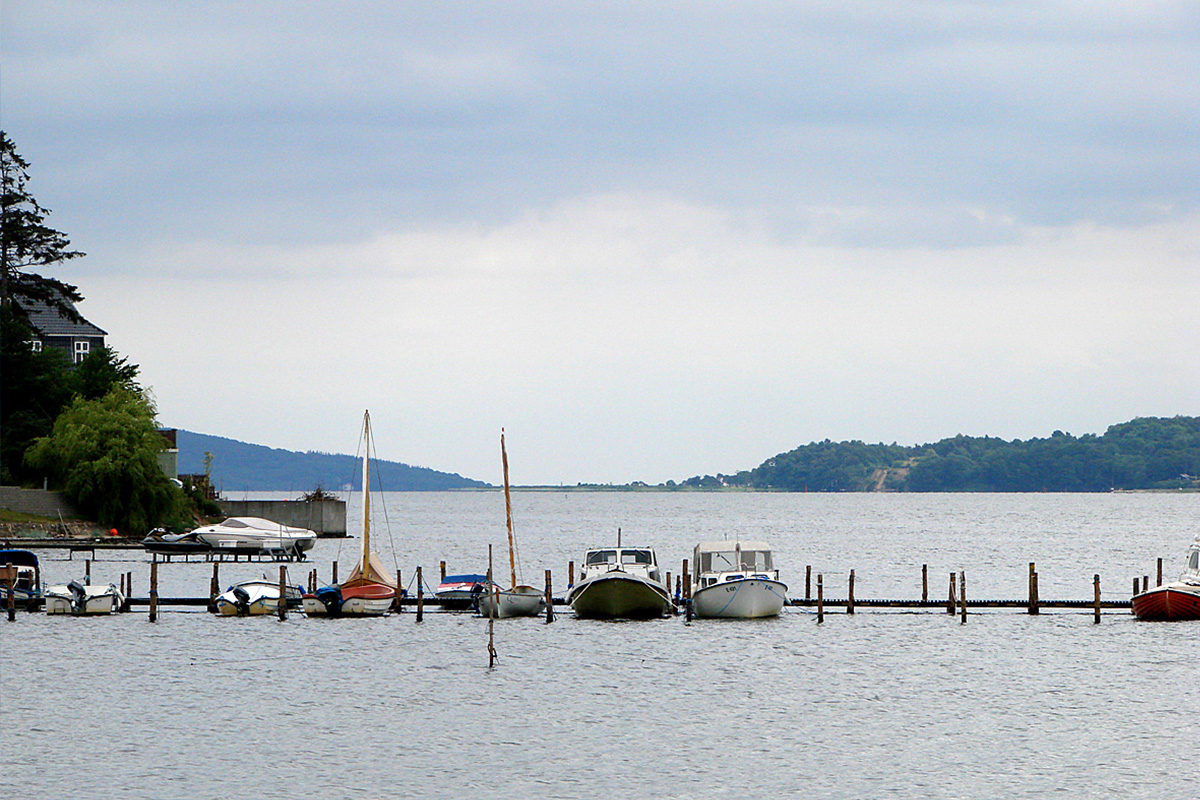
367	592
517	601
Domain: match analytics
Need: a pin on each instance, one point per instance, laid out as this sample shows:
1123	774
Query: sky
651	240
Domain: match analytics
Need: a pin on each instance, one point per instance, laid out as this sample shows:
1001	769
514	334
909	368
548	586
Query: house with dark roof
52	329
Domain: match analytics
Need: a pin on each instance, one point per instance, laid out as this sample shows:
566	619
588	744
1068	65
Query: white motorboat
620	583
83	598
518	600
253	598
736	579
256	535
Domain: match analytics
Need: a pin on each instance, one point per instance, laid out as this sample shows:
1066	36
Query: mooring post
808	583
962	595
10	587
570	574
87	571
1032	607
1096	599
549	599
953	599
820	598
924	583
850	597
282	592
443	570
334	581
1135	586
420	596
1159	573
154	590
128	588
687	582
1037	598
1145	583
214	589
396	605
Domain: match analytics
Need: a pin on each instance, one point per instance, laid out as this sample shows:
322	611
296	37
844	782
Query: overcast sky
652	240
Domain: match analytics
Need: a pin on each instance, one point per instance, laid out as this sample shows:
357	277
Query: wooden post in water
1037	595
282	592
493	606
1032	607
687	581
1145	583
570	574
443	570
333	582
420	596
924	583
820	598
154	590
10	585
549	599
1159	573
962	595
850	597
1096	599
808	583
396	606
128	588
1135	585
953	591
214	589
87	570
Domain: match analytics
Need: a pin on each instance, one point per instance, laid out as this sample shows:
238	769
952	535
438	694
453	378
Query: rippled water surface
879	704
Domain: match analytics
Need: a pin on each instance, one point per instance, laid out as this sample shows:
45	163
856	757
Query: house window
36	345
81	350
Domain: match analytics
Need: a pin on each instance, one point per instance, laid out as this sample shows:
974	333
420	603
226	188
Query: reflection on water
880	704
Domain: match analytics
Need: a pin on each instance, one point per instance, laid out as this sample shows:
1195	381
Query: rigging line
383	501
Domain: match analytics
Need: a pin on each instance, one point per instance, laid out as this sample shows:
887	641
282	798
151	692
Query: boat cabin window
602	557
636	557
1194	560
718	562
756	560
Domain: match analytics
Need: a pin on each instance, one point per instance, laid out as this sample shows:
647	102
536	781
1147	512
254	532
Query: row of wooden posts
956	599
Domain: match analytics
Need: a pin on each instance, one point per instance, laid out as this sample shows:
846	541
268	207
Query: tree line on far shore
1144	453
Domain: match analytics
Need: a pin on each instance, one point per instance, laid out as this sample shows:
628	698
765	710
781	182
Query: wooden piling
1159	573
214	588
333	582
490	588
820	599
443	570
953	591
850	596
154	590
1032	607
1135	586
397	606
924	583
128	588
962	595
10	585
570	574
1037	600
808	583
420	596
687	582
87	571
549	599
282	592
1145	583
1096	599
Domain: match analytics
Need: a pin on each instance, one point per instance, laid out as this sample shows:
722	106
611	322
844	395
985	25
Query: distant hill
238	466
1144	453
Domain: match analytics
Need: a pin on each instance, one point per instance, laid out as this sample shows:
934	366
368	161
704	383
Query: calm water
880	704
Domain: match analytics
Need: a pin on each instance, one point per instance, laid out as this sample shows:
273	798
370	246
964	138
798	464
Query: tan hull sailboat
517	601
367	592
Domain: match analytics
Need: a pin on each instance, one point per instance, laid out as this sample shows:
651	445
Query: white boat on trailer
736	579
79	599
620	583
254	535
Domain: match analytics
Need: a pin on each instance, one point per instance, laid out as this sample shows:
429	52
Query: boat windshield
728	561
636	557
602	557
1194	562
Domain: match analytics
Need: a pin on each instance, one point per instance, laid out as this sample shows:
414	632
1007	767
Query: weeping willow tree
103	454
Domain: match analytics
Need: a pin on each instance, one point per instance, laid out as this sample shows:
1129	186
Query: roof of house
49	321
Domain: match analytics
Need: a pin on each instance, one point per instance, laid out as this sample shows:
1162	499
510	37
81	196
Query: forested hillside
240	466
1145	453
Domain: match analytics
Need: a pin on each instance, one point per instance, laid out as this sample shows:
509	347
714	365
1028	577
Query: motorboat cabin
736	578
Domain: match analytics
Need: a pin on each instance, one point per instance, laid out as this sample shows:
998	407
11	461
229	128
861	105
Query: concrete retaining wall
42	503
326	517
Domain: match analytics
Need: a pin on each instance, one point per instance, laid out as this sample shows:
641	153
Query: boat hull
263	605
522	601
368	600
1171	603
96	599
748	598
618	595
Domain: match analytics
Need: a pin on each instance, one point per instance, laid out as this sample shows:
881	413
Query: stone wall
326	517
37	501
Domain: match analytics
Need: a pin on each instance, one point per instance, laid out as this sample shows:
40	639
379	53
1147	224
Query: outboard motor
78	596
241	599
331	598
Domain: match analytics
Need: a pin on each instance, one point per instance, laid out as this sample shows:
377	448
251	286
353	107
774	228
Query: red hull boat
1173	602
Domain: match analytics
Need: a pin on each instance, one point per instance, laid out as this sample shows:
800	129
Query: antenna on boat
618	536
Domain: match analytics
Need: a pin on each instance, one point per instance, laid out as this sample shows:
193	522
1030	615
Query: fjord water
880	704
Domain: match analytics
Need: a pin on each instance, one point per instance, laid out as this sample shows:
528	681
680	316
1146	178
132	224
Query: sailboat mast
366	490
512	558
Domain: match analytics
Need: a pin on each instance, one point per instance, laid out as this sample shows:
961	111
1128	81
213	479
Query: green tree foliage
1145	453
104	455
27	243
